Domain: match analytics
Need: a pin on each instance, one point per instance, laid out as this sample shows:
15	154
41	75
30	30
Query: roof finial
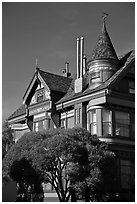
36	62
105	15
36	65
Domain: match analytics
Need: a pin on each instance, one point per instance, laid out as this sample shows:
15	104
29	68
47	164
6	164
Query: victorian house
100	98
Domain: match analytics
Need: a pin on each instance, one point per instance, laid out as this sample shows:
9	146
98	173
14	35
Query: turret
104	61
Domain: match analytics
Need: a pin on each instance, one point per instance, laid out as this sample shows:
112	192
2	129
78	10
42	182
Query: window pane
107	122
70	122
40	95
92	119
62	123
93	128
92	116
40	98
106	115
80	116
40	125
122	123
107	128
76	116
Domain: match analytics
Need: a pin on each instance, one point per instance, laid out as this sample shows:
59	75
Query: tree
7	138
73	161
28	181
52	160
18	166
49	153
95	180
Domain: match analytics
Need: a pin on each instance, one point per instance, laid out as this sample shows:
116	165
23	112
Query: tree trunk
87	195
73	196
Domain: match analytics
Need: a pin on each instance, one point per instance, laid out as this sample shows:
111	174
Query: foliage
95	181
7	138
75	163
52	160
28	181
14	159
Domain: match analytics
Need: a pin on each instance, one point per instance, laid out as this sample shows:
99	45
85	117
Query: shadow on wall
9	192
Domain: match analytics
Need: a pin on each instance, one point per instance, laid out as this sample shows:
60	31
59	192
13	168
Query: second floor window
107	122
122	122
93	124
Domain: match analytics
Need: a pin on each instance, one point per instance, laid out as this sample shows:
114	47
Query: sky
48	31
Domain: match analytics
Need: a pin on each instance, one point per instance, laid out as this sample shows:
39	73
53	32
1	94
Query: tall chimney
79	82
81	55
78	58
84	64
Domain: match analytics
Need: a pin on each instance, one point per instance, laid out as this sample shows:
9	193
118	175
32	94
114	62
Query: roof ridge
54	74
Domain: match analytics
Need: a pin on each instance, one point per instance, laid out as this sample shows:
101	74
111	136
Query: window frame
40	95
110	122
122	125
68	118
93	123
36	125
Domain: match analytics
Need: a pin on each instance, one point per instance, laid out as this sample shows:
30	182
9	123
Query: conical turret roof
104	48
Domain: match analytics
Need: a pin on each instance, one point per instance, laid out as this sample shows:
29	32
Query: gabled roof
104	48
56	82
19	112
124	62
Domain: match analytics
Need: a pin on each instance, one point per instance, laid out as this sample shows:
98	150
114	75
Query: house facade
100	98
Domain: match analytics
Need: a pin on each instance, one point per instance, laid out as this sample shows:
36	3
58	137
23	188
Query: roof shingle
104	48
56	82
124	61
20	111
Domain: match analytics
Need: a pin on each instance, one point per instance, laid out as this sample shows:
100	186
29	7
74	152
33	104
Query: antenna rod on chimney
78	58
81	55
